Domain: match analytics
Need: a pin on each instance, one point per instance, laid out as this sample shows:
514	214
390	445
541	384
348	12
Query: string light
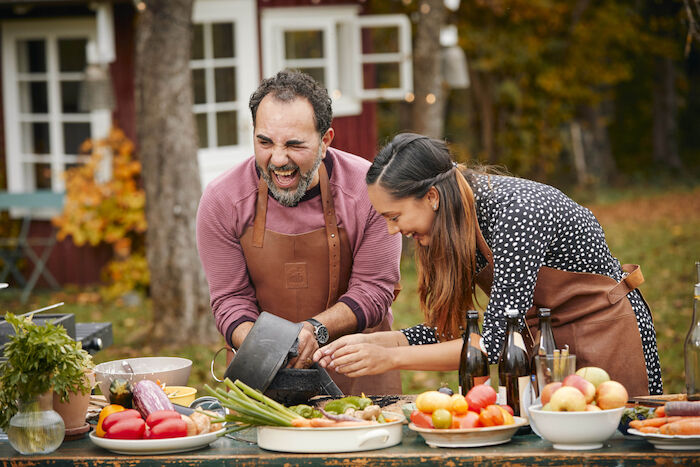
425	8
336	94
430	98
409	97
141	6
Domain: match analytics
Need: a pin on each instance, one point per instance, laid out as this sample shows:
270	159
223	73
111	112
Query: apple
593	374
592	408
548	390
586	387
547	407
568	399
611	395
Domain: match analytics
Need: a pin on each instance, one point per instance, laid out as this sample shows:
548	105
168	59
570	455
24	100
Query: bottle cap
512	313
544	312
471	314
697	289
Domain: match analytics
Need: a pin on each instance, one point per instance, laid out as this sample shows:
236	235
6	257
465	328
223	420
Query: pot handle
211	369
382	435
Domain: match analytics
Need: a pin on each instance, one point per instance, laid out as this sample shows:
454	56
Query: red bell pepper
127	428
115	417
168	428
158	416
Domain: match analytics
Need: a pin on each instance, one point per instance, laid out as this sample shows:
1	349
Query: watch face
321	334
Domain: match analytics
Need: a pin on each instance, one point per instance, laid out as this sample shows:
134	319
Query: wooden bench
13	249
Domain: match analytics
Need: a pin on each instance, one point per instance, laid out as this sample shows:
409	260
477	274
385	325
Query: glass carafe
36	428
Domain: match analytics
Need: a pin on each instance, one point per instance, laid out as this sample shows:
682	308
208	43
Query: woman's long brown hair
408	167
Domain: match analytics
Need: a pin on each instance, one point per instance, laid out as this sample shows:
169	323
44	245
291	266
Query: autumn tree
168	151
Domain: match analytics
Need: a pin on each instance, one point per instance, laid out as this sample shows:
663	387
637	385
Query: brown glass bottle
514	364
544	343
473	363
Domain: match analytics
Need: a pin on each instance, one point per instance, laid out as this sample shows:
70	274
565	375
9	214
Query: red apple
611	395
548	390
567	399
586	387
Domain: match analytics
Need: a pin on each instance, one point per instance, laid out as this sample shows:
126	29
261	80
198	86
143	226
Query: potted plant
40	360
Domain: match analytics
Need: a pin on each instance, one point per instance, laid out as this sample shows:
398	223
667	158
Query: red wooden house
47	46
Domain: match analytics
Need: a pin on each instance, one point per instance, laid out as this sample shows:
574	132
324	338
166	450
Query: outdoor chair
14	249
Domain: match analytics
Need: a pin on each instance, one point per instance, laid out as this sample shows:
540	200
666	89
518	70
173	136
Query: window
224	68
43	69
355	57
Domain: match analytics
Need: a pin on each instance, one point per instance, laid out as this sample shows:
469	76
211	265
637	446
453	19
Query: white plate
469	437
156	446
329	440
670	442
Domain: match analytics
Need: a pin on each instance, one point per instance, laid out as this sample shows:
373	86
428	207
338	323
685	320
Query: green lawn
657	230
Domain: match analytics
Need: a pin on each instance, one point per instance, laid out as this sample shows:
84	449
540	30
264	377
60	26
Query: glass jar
36	428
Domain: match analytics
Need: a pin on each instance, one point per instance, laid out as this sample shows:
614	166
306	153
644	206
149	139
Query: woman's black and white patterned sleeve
419	335
521	232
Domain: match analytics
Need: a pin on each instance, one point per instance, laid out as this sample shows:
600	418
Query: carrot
301	422
649	429
683	408
653	422
322	422
660	411
688	426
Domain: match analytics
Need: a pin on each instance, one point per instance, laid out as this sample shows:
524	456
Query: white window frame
243	13
49	30
342	26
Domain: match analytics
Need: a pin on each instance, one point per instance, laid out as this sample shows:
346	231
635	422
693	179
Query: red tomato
169	428
116	417
128	428
491	416
467	420
508	408
154	418
480	396
423	420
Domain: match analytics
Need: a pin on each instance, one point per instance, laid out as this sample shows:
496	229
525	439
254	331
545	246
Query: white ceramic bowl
173	371
575	430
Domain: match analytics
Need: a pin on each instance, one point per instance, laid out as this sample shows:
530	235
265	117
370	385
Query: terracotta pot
74	410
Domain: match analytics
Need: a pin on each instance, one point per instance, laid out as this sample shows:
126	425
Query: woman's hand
362	359
323	355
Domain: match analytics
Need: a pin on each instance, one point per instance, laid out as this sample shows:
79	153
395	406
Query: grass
658	230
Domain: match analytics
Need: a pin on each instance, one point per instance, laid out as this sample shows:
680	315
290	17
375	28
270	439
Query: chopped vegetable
306	411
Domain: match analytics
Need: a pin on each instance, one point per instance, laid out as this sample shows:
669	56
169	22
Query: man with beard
291	231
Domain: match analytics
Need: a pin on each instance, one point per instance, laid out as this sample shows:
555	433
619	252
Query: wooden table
522	450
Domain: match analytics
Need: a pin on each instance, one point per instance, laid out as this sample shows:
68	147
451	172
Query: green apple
594	375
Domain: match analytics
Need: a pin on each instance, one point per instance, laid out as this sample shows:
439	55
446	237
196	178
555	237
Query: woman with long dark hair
525	244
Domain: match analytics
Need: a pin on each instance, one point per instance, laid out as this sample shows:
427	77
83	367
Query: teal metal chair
13	249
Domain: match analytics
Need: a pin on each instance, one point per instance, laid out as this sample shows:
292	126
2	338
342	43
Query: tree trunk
429	103
168	151
481	86
665	143
596	142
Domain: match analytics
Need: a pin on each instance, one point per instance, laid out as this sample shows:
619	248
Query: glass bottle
36	428
514	365
473	363
692	351
544	343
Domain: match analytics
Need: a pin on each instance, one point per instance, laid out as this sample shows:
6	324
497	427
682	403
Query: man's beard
291	198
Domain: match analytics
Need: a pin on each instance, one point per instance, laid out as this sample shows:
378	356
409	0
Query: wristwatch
320	331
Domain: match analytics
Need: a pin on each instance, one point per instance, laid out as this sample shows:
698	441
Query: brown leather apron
298	276
590	313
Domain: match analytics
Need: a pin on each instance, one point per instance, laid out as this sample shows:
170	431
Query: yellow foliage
108	211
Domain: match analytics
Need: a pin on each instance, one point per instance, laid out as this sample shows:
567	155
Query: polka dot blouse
528	225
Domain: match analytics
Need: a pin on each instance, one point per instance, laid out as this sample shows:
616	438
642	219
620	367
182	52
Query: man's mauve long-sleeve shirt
227	209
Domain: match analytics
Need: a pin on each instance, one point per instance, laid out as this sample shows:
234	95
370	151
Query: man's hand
307	347
240	333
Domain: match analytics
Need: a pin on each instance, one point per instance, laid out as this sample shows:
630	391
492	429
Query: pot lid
264	351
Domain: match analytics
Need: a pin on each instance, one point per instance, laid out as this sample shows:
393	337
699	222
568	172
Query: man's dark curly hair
286	86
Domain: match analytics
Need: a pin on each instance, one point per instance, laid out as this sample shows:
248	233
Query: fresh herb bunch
40	358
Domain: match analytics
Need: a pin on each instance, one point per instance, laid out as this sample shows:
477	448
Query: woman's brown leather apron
298	276
591	314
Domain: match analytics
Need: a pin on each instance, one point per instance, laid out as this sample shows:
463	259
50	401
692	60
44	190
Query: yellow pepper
107	410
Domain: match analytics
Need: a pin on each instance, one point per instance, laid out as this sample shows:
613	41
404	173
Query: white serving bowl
575	430
173	371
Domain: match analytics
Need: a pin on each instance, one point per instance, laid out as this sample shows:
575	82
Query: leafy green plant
40	358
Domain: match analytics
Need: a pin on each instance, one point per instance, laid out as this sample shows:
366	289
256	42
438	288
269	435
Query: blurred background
103	102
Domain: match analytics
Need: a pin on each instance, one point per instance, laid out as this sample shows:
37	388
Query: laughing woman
525	244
